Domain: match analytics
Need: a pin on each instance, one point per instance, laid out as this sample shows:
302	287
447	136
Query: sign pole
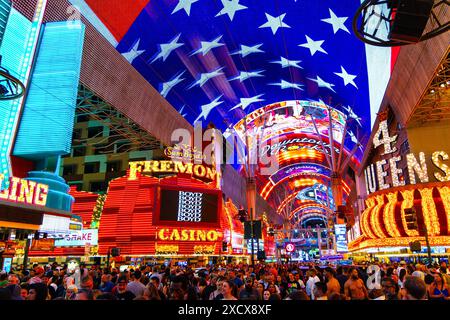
25	255
428	244
252	238
108	258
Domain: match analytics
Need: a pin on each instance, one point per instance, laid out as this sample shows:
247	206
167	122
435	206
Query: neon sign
198	170
376	173
184	153
300	169
296	144
166	234
24	191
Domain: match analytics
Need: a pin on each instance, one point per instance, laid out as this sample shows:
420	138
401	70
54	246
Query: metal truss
434	106
121	127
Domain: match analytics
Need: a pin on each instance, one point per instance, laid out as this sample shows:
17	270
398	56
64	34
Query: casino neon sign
167	234
24	191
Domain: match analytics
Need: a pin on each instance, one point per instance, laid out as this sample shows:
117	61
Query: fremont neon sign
187	235
198	170
24	191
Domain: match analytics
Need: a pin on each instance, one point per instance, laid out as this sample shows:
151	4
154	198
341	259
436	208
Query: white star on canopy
353	115
288	63
165	49
244	75
313	46
246	50
245	102
184	4
336	22
275	23
134	52
207	108
322	84
167	86
348	78
286	85
204	77
230	7
207	46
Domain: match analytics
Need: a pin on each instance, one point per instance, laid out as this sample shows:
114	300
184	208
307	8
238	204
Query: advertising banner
43	245
341	237
79	239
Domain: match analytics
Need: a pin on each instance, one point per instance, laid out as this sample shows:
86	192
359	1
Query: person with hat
38	274
121	292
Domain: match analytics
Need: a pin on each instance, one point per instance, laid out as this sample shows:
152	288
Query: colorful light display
390	228
290	117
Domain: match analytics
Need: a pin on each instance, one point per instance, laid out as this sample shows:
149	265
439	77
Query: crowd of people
292	281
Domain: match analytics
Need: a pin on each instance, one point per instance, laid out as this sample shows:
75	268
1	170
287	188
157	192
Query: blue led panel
5	9
13	50
47	122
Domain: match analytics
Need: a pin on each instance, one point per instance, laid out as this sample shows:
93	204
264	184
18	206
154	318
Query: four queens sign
79	239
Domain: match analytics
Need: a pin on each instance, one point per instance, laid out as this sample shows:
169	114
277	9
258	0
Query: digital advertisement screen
184	206
341	237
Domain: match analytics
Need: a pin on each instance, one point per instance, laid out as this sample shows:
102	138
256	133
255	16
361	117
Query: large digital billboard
186	206
341	237
294	117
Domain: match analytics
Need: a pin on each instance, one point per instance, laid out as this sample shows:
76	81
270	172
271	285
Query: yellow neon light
445	196
429	212
388	215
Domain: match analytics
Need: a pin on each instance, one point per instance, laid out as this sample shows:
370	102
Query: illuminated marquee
187	235
184	153
166	249
376	173
300	169
296	144
197	170
290	117
24	191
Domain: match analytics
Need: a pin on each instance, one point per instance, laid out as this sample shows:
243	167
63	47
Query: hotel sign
197	170
24	191
376	173
184	153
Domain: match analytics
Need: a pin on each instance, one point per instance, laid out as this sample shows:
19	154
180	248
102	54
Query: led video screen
184	206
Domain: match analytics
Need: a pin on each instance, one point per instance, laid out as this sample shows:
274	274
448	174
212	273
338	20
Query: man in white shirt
313	278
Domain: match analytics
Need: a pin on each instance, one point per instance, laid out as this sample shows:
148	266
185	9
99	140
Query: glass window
69	169
79	151
113	166
77	134
91	167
